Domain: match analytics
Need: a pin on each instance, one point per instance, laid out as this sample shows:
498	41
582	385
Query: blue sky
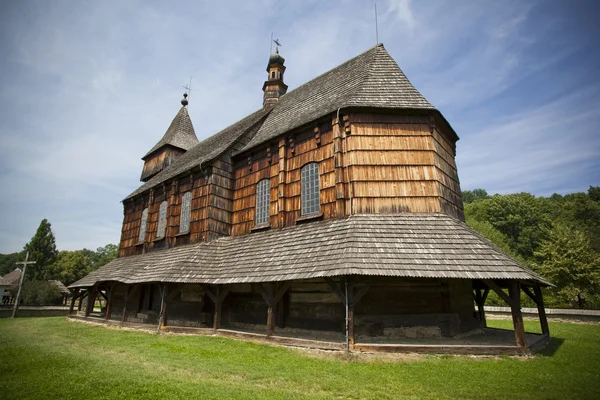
87	88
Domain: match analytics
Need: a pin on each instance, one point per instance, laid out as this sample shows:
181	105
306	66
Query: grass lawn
51	358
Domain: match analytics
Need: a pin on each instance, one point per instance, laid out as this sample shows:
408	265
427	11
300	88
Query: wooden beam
270	320
163	308
350	314
360	294
279	294
485	294
90	301
492	285
102	294
336	289
83	294
541	310
530	294
73	301
127	293
210	294
217	297
109	302
515	295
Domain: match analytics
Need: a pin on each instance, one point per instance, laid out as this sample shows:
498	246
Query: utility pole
24	263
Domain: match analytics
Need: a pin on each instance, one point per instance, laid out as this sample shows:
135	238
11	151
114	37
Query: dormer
179	138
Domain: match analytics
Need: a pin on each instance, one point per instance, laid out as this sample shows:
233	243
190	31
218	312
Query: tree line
557	236
50	264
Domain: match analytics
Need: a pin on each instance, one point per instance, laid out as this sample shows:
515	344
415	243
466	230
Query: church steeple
179	138
274	87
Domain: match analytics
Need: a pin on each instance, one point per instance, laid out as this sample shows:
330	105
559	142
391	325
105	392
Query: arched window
263	197
310	189
162	220
143	223
186	209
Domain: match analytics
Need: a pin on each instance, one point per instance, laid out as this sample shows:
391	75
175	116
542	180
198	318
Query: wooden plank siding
159	161
385	163
285	208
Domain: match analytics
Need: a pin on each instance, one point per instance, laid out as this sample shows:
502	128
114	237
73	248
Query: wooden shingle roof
371	79
12	278
403	245
180	134
206	150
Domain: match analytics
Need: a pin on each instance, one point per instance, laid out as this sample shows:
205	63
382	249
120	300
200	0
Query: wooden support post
514	290
163	308
73	302
350	296
270	321
480	296
541	310
272	298
492	285
90	301
124	319
217	297
80	303
111	290
349	299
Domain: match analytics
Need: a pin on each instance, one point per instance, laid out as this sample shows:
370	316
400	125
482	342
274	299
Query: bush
41	293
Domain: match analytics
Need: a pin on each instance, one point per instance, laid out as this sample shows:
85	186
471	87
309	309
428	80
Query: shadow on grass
551	347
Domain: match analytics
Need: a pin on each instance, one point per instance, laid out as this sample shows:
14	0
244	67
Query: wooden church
331	217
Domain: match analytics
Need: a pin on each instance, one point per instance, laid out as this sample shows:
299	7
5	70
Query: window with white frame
310	189
186	210
162	220
263	197
143	223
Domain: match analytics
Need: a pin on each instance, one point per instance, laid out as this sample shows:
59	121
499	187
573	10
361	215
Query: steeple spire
179	138
274	87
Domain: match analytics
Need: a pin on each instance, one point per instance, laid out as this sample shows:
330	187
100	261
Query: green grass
53	358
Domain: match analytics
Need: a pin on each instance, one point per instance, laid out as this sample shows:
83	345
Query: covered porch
351	313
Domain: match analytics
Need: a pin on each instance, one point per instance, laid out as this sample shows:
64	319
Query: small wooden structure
333	210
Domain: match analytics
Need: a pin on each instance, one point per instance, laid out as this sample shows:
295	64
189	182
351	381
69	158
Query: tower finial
277	44
184	101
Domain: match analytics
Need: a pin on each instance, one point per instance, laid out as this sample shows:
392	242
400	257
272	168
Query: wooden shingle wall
159	161
172	193
400	163
368	163
281	163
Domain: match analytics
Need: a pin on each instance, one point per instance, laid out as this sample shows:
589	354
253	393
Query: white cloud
87	88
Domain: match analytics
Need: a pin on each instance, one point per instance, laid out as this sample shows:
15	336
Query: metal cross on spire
277	44
24	263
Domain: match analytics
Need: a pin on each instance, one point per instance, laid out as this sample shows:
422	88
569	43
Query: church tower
274	87
179	138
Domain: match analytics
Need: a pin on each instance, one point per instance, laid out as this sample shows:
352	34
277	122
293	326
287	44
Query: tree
70	266
471	196
492	234
41	293
8	262
42	250
568	260
105	255
594	193
522	218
